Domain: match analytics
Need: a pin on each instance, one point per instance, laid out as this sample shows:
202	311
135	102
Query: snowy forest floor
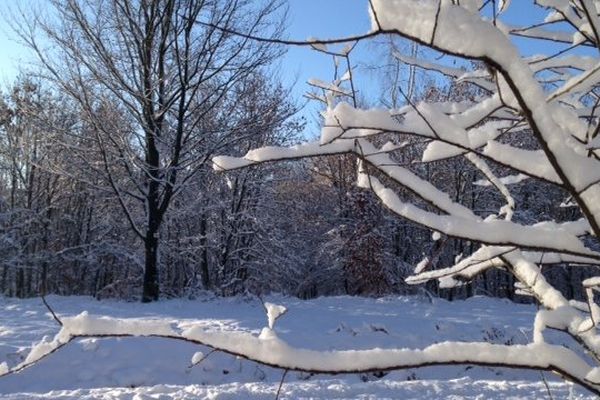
151	368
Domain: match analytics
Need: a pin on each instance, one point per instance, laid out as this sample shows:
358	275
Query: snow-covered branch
268	349
548	100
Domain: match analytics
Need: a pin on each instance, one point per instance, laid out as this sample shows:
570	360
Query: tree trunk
20	282
5	283
204	256
43	290
151	291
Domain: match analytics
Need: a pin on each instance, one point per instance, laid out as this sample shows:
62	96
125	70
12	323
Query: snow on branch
461	222
480	78
456	31
272	351
549	98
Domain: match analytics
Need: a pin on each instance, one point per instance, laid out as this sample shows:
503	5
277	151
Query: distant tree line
304	230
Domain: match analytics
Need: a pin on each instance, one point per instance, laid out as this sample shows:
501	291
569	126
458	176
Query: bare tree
148	79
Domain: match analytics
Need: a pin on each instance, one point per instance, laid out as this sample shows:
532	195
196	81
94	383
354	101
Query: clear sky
320	19
307	18
317	18
12	54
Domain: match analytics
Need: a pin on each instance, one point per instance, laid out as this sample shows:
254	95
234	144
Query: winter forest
179	219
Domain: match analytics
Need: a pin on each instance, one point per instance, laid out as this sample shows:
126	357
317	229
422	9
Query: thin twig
374	14
433	130
543	376
281	384
309	43
544	380
204	357
435	24
51	311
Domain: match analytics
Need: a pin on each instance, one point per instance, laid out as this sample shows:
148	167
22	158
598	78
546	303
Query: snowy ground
151	368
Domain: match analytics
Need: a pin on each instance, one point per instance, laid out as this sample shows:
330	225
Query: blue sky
321	19
318	18
12	54
307	18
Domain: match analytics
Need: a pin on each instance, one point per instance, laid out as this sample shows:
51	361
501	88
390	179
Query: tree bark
204	256
151	288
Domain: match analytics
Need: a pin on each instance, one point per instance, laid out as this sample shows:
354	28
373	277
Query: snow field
152	368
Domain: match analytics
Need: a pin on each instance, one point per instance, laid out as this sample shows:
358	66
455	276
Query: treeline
301	228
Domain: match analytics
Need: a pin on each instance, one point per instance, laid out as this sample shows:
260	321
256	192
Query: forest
89	204
153	154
